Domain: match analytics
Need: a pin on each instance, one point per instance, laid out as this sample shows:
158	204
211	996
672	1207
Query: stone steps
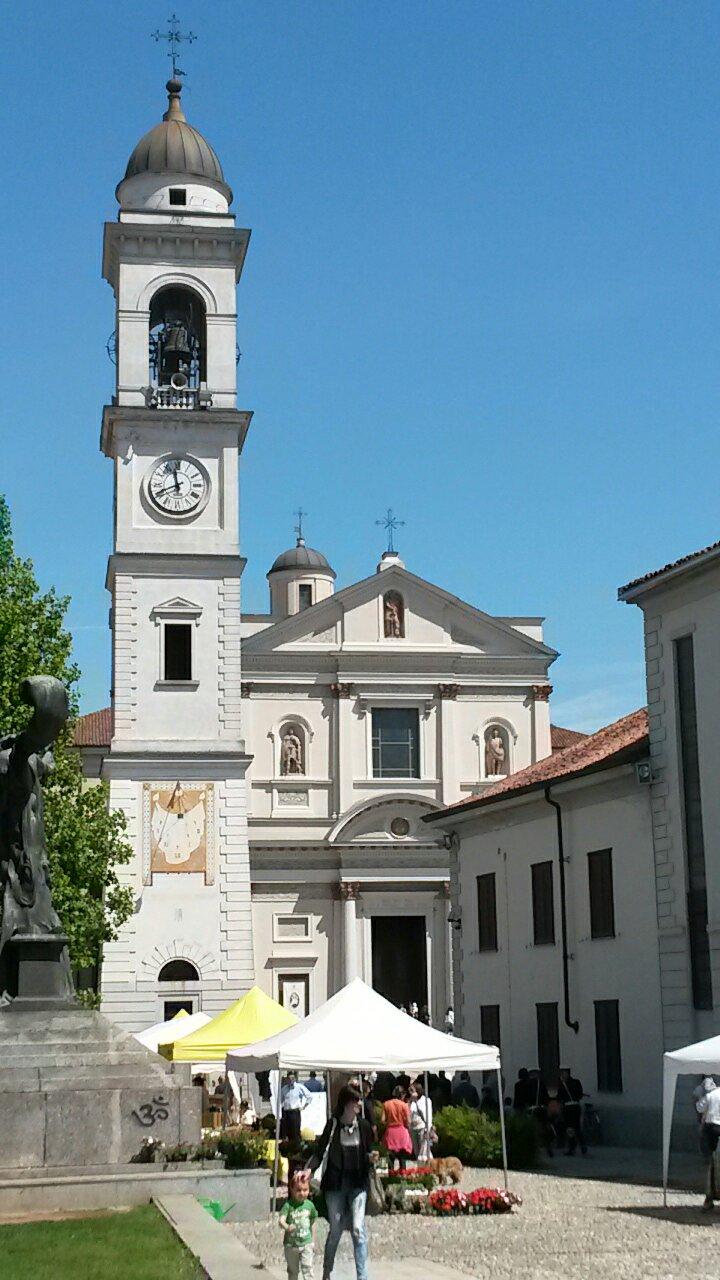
88	1054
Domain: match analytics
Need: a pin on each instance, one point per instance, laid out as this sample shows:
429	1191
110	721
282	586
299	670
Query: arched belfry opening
178	339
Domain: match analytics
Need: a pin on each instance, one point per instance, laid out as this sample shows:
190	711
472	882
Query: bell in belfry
176	347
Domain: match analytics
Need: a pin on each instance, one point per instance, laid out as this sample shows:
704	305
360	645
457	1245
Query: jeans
341	1206
299	1261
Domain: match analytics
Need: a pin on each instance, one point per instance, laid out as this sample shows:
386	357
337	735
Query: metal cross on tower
299	526
391	523
174	36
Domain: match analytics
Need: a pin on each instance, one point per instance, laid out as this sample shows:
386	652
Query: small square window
178	195
177	659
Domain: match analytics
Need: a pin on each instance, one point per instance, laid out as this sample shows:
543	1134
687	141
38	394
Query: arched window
178	345
393	615
178	971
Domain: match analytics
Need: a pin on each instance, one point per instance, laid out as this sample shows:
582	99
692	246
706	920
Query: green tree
86	843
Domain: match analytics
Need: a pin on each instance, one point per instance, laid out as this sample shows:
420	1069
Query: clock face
177	486
178	828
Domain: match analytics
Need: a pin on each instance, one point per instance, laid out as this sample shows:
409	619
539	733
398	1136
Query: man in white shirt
293	1100
708	1106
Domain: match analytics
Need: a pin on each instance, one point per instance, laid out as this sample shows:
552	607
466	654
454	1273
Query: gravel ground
566	1227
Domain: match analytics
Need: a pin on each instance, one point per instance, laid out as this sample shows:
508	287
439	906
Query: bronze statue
25	761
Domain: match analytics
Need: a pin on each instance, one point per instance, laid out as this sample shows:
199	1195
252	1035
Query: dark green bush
474	1137
242	1148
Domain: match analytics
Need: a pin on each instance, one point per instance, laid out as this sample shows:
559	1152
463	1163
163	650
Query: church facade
273	769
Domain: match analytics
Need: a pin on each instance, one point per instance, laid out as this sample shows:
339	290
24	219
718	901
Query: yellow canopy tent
254	1017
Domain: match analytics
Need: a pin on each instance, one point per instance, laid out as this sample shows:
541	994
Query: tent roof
358	1028
183	1024
695	1058
254	1017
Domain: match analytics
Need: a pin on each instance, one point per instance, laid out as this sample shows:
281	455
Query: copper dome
174	147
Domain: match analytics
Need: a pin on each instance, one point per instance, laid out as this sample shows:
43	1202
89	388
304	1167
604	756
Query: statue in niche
25	761
393	614
495	753
291	752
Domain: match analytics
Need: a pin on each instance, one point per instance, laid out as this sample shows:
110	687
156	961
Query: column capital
342	690
450	691
541	692
246	688
348	891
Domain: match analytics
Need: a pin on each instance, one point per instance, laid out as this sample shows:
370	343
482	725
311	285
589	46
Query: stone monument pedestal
39	974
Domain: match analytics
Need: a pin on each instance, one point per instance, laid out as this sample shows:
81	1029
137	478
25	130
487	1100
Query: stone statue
291	753
494	754
28	914
393	619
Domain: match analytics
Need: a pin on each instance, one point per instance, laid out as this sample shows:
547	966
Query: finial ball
174	86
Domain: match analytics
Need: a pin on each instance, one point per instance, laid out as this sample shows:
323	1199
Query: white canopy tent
702	1059
174	1029
359	1030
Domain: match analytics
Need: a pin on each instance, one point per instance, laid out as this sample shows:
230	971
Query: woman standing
396	1115
421	1115
345	1151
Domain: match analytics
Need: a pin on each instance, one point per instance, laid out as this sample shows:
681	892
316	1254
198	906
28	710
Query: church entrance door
399	959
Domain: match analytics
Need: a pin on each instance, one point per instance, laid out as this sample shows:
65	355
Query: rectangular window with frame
548	1040
305	595
607	1046
543	903
177	651
490	1024
487	913
600	888
697	904
395	742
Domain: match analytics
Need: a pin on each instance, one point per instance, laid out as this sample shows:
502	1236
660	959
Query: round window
400	827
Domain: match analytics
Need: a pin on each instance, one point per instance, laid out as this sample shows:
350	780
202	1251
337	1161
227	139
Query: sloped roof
562	738
94	729
614	744
675	566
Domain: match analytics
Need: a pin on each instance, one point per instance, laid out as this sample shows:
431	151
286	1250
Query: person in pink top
397	1140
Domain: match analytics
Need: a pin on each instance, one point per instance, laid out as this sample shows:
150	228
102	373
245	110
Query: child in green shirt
297	1220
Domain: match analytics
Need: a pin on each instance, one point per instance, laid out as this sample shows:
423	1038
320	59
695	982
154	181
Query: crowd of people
556	1104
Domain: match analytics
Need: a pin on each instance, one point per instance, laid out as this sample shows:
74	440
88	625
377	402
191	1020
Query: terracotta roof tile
667	568
562	738
94	730
596	751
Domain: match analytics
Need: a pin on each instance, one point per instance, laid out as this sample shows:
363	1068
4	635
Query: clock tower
177	762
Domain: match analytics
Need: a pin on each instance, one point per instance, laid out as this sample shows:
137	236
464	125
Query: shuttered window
697	906
607	1046
600	887
487	912
543	904
548	1040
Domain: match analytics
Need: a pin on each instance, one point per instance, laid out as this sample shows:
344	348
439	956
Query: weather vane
174	36
391	523
299	526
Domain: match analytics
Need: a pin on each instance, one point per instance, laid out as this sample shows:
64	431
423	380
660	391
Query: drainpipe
574	1026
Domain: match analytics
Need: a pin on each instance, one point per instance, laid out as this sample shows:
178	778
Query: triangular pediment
435	620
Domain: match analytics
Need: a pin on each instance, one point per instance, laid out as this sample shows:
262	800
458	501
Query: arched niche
178	337
496	740
393	616
178	971
291	739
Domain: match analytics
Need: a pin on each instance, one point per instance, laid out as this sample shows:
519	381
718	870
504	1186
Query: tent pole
276	1170
427	1113
502	1127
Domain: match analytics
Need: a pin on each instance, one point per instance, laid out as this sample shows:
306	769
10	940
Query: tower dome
171	153
299	578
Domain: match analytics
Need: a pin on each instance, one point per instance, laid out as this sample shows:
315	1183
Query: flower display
449	1201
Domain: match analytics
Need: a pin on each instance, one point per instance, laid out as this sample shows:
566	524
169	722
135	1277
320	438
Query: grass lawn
138	1245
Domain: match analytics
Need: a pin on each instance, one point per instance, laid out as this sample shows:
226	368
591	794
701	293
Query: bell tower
177	762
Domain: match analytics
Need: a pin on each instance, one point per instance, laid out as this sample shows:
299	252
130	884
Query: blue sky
482	287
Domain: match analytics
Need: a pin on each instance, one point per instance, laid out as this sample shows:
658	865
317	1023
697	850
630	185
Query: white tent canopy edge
702	1058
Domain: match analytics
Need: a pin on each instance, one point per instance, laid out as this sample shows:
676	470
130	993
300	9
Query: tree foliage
86	843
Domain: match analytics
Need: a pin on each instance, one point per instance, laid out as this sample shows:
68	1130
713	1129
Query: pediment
352	619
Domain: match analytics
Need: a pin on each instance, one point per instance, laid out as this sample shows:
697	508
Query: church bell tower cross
177	762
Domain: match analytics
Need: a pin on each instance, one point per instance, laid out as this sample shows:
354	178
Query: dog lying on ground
448	1169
